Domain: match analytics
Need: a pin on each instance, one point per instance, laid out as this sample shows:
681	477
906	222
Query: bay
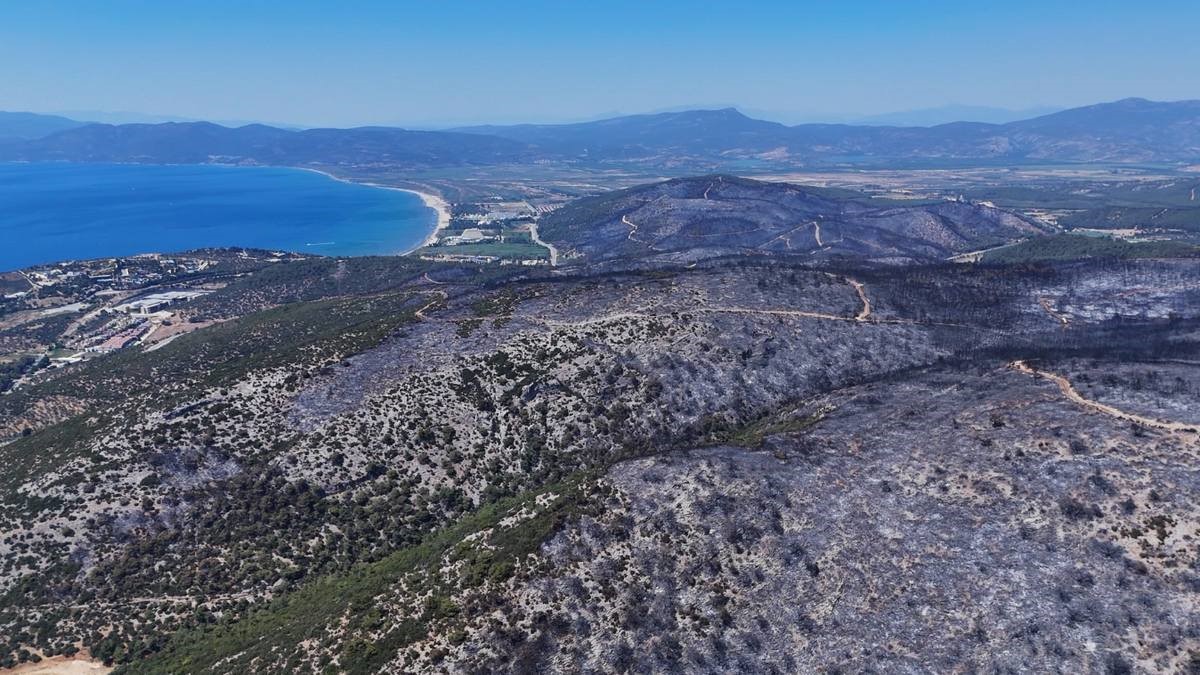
64	211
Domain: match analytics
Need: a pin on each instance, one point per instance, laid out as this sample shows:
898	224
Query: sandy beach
443	214
435	202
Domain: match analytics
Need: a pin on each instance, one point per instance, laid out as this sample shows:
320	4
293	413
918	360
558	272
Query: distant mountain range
21	126
1130	130
204	142
133	117
946	114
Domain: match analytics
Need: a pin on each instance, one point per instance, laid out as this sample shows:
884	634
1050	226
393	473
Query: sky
446	62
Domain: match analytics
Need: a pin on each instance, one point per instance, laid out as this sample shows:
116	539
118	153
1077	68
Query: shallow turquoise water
60	211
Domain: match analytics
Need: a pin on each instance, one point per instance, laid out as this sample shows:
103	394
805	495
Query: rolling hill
717	215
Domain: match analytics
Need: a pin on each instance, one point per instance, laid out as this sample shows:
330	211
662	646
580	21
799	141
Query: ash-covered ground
746	463
951	520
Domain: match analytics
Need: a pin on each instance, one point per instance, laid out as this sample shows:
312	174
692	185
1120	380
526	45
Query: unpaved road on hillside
865	313
632	229
1049	309
1068	390
440	296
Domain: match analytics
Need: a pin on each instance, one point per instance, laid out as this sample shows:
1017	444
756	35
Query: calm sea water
51	212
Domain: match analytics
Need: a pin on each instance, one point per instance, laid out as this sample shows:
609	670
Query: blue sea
59	211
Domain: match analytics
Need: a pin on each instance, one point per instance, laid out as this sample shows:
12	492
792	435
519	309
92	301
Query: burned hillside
708	216
727	432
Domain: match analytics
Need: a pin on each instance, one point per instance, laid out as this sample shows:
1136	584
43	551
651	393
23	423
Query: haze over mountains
1126	130
946	114
204	142
1130	130
17	126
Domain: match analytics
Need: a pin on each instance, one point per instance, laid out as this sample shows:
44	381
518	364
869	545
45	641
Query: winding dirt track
1049	309
1068	390
632	229
865	313
863	316
441	297
61	665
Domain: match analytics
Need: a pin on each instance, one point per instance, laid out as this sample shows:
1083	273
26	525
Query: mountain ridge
18	126
1128	130
1164	131
205	142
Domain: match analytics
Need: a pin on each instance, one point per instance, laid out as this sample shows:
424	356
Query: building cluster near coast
147	301
502	232
109	304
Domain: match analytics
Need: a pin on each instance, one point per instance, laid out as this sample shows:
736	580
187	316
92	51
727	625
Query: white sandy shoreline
439	205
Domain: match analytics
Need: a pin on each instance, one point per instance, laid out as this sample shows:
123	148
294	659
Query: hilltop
19	126
382	464
719	215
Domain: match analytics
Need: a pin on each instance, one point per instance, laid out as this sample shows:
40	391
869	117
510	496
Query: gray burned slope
715	215
596	369
954	519
345	504
240	490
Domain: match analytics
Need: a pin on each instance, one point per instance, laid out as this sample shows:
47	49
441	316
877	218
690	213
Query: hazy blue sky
345	63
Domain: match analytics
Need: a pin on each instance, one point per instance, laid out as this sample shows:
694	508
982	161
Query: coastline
440	206
430	200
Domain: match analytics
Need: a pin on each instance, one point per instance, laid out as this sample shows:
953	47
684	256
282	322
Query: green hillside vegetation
323	329
1090	197
1122	217
311	332
516	250
372	639
1076	247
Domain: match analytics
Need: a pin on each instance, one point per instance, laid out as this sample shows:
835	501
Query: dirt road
533	235
1060	317
864	313
1068	390
632	229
